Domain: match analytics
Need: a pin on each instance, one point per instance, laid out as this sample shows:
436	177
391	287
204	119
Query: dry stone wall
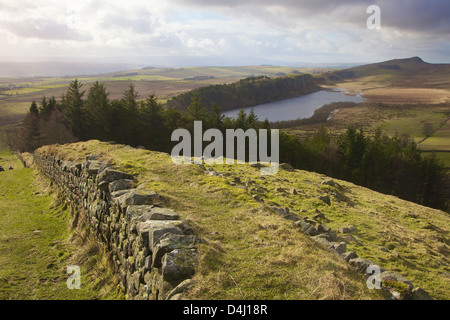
154	253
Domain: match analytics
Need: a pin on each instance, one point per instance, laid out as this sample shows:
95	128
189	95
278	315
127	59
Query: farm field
415	123
439	140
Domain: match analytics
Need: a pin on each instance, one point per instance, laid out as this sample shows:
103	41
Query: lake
298	108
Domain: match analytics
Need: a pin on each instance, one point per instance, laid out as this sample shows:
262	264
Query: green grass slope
37	245
250	252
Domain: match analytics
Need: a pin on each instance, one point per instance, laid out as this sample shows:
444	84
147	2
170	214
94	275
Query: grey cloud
43	29
415	15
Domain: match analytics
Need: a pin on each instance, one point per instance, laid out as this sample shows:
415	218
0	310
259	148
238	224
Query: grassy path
34	242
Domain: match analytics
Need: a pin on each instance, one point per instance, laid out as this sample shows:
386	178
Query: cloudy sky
231	32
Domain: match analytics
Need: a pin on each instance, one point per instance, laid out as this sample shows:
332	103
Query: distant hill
410	72
59	69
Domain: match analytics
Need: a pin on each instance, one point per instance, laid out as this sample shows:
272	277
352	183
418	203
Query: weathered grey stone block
311	231
155	229
141	213
169	242
125	198
292	217
148	263
179	264
121	184
280	211
322	240
303	225
349	255
340	247
135	212
178	291
323	228
92	166
109	175
158	213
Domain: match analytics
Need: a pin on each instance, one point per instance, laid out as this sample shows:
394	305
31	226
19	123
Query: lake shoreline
298	108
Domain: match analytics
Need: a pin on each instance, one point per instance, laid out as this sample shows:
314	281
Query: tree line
247	92
391	165
91	114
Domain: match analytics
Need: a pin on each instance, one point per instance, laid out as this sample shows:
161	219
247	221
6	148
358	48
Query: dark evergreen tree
265	124
241	120
47	107
196	111
97	105
252	120
72	106
34	109
215	118
131	121
153	133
